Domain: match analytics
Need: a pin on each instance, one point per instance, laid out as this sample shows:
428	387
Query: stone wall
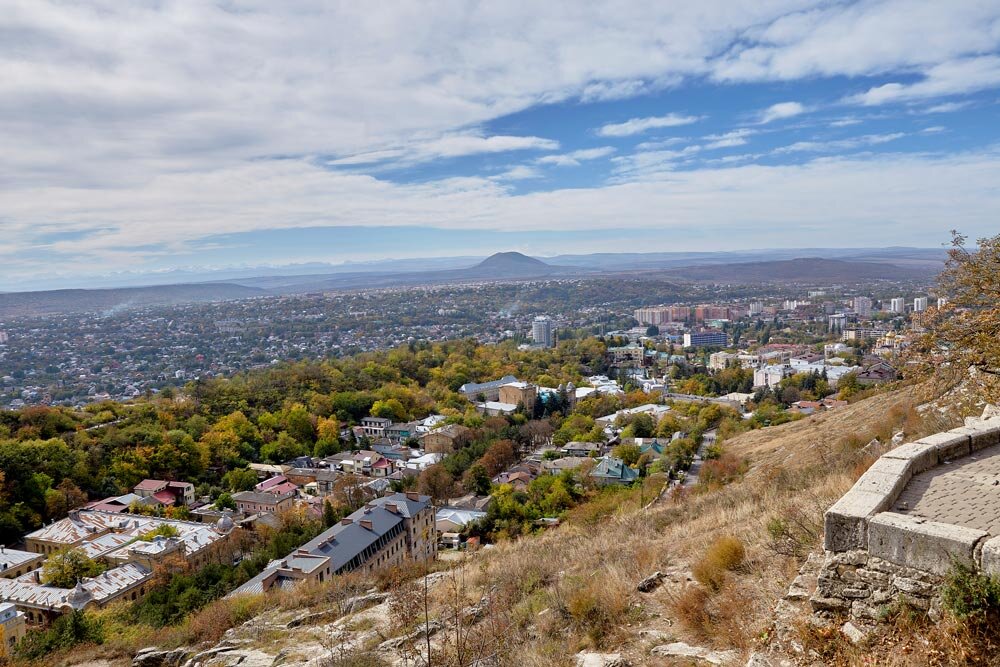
874	556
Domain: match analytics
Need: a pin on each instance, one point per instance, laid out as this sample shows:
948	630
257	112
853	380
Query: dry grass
724	555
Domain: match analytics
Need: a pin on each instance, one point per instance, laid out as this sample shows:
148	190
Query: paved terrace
963	492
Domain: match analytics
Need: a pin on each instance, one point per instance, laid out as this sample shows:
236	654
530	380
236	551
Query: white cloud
845	122
934	129
574	158
736	137
640	125
451	145
967	75
781	110
947	107
875	197
839	144
519	173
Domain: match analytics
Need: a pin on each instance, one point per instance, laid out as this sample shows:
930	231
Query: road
707	440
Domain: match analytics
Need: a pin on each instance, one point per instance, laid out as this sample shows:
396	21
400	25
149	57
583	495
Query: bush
725	554
67	631
972	597
690	607
597	608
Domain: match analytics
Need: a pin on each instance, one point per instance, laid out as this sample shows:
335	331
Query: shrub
972	597
725	554
690	607
597	607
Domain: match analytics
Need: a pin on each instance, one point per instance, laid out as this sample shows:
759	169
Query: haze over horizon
142	139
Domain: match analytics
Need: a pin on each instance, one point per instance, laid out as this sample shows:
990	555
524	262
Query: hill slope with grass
714	562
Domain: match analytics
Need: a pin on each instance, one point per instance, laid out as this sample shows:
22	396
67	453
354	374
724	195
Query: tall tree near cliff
964	332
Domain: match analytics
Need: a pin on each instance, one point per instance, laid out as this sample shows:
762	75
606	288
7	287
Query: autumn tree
964	332
436	482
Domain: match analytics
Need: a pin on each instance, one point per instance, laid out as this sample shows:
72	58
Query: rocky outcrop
682	650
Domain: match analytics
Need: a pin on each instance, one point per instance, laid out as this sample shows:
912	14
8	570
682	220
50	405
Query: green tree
225	501
477	480
67	566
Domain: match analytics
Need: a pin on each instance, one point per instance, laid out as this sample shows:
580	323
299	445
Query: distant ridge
511	264
800	269
18	304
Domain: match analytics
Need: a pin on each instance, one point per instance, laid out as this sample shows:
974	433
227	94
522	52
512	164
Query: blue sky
186	134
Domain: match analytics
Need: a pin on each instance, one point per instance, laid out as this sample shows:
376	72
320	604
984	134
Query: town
392	491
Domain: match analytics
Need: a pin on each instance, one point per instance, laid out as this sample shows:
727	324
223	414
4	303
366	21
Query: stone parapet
875	556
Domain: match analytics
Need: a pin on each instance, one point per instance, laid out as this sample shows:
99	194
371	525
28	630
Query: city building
863	307
942	301
706	339
611	470
519	393
446	439
541	331
920	304
384	533
262	502
626	355
488	391
13	626
14	563
837	321
374	427
129	545
167	493
897	305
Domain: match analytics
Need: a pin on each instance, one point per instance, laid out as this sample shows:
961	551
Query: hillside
572	591
799	270
513	264
18	304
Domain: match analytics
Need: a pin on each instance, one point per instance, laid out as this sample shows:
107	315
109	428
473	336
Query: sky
143	137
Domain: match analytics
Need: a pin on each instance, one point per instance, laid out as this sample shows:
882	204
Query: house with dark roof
384	533
257	502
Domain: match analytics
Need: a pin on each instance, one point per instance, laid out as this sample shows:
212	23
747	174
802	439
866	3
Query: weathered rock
760	659
682	650
430	628
853	632
650	583
153	656
349	606
590	659
925	545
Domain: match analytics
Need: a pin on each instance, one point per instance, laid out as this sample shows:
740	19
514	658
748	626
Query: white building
920	304
541	331
897	305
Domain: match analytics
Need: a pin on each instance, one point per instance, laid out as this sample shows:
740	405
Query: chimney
392	507
346	521
412	495
366	523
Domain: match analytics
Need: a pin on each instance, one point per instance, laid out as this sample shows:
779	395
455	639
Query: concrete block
981	435
846	522
990	558
920	544
889	484
950	446
922	456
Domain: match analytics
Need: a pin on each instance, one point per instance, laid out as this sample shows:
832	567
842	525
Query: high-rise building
863	306
756	308
920	304
837	322
706	339
541	331
942	300
897	305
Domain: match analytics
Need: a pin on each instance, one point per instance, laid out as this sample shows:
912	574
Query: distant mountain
20	304
514	264
801	269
